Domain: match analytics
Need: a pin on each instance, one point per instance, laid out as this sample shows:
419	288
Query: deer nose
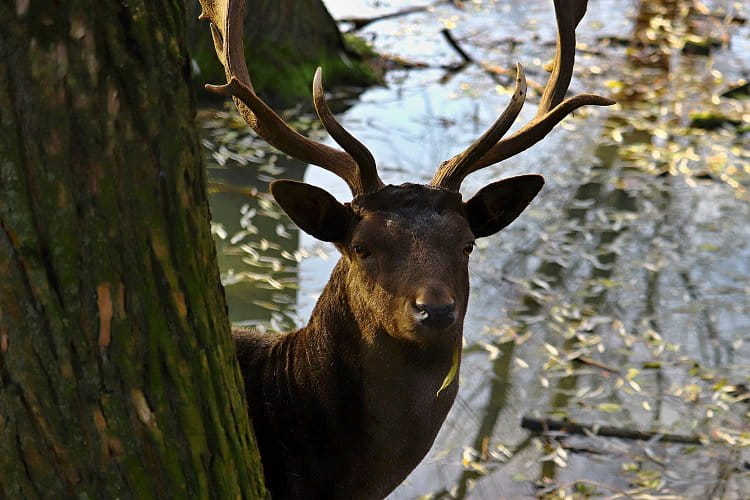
434	308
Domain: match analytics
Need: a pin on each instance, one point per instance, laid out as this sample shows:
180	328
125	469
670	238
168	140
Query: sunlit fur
417	241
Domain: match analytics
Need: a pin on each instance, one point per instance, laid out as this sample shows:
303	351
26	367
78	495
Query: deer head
407	246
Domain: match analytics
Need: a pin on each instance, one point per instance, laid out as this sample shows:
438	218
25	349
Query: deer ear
314	210
498	204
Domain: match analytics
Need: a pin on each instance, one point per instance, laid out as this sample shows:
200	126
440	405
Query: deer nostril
435	315
433	309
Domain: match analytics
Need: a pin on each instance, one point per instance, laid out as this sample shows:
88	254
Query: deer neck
397	405
348	393
391	372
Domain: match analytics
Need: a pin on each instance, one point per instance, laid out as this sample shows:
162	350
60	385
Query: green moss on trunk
117	372
284	43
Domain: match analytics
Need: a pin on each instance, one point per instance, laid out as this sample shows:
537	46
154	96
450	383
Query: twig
454	43
360	22
493	71
391	61
544	425
585	360
394	61
581	450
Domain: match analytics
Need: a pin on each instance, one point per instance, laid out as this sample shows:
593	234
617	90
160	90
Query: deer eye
361	251
469	248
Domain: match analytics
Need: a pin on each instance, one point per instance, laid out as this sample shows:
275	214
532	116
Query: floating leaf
609	407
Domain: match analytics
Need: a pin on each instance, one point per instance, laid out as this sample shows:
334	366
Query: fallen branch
493	71
360	22
545	425
454	43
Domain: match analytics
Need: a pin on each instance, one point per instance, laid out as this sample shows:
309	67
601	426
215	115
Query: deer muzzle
434	308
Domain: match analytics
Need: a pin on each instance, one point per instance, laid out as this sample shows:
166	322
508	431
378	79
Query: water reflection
257	245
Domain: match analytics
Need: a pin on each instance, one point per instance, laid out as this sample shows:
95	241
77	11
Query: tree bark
117	373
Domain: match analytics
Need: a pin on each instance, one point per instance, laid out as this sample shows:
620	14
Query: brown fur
348	405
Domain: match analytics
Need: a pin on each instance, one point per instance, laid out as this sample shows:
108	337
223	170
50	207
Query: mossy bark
284	42
117	372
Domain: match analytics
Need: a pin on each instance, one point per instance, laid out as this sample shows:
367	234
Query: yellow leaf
609	407
453	370
632	373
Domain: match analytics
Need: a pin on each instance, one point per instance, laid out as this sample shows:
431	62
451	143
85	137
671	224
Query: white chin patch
421	315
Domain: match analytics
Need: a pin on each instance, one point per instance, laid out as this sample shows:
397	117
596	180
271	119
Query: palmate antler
356	166
489	149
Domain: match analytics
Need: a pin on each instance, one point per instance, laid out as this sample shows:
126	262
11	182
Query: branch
454	43
544	425
492	70
585	360
360	22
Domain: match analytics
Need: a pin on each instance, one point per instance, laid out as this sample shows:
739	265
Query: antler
356	166
489	149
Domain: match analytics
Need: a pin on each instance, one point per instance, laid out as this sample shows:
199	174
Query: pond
620	298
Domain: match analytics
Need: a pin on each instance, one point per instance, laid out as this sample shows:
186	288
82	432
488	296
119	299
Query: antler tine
226	18
568	14
274	130
552	108
452	172
368	171
537	129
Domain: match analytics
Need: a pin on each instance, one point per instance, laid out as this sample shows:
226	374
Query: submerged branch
544	425
585	360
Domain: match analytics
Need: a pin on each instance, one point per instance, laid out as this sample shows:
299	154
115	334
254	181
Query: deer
348	405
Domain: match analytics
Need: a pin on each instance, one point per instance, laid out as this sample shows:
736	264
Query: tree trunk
285	40
117	372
